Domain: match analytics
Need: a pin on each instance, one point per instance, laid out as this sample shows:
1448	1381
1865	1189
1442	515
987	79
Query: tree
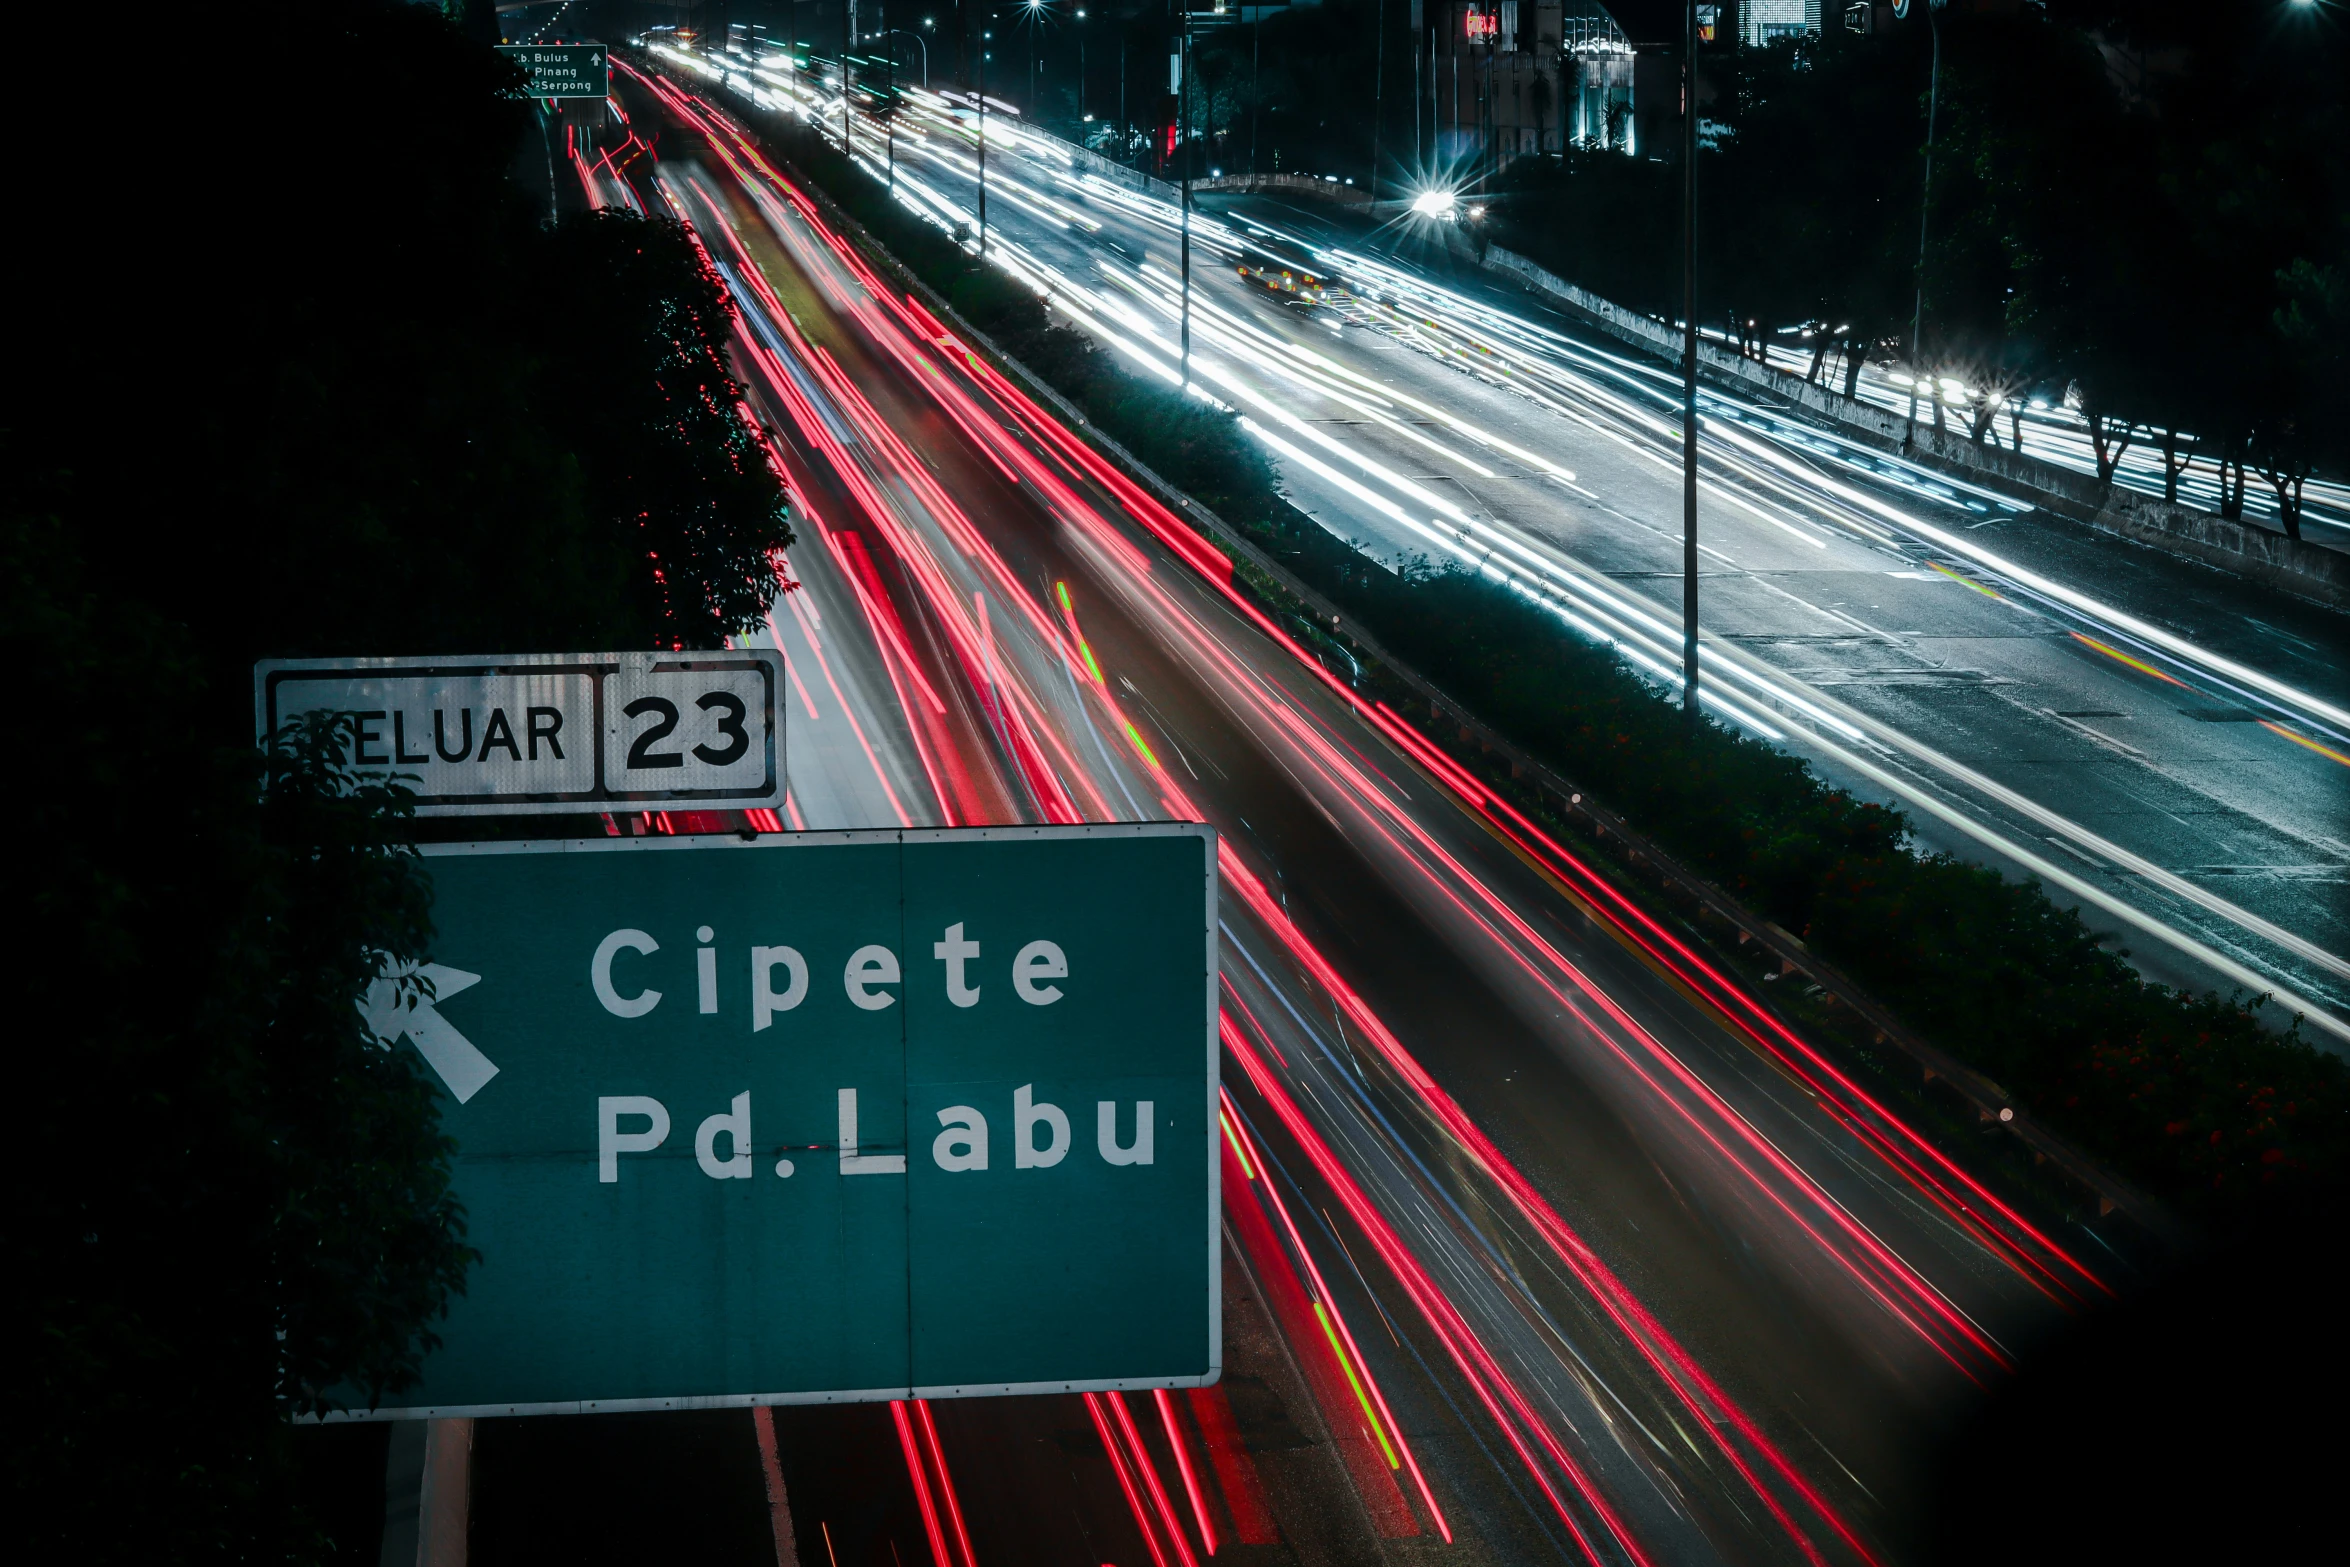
2136	199
1852	186
233	1202
1317	68
668	458
336	414
397	424
2314	324
1803	218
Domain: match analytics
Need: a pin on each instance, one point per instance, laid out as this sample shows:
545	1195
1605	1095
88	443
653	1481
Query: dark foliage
233	1198
392	408
634	374
2134	201
322	380
433	466
2180	1426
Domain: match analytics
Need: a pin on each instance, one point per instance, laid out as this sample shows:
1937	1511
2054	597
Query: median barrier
1293	184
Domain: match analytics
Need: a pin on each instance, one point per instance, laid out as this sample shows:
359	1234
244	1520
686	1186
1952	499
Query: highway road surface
2160	743
1545	1241
2056	433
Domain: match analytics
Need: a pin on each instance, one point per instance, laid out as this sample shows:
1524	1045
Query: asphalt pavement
1534	1252
2162	744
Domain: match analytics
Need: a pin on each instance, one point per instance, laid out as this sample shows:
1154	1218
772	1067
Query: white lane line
1884	734
2088	892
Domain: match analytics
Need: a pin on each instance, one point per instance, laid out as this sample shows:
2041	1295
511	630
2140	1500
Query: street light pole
1035	7
1487	125
1689	702
919	43
1182	136
1378	98
983	34
1917	319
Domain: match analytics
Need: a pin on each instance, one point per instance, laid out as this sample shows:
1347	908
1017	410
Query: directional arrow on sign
393	1009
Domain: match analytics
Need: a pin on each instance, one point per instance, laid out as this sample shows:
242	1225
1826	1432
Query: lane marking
2303	740
2140	665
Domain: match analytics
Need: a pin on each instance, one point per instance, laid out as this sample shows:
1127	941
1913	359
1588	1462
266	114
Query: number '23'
725	704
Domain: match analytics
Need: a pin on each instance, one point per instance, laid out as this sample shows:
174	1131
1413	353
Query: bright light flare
1437	204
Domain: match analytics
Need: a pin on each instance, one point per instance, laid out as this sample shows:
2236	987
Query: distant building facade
1500	80
1492	79
1599	69
1765	20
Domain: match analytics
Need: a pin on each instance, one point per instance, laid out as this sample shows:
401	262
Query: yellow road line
2140	665
1966	581
1361	1398
2305	741
1238	1152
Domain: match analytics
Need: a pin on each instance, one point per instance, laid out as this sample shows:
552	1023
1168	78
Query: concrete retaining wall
1111	169
1289	184
2308	570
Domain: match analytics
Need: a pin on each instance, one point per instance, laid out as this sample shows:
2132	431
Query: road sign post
830	1117
563	70
549	732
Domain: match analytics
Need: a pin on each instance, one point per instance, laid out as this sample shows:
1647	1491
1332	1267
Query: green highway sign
563	70
823	1117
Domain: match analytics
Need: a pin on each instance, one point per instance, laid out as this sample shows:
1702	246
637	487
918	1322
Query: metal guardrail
1299	184
1111	169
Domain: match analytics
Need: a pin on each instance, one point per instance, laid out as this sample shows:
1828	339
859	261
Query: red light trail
1032	450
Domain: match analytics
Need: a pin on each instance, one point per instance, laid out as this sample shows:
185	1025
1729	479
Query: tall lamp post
1689	702
1035	10
1917	318
1182	136
889	102
1378	97
1487	123
919	43
984	34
